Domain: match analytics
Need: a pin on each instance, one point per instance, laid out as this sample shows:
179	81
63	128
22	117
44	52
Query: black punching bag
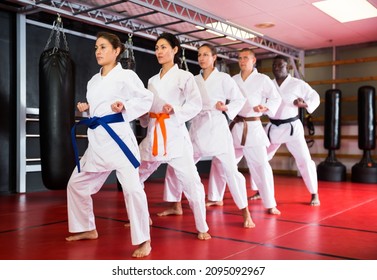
56	115
366	170
127	58
331	169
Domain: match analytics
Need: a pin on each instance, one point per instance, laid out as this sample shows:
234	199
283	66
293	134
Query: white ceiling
297	22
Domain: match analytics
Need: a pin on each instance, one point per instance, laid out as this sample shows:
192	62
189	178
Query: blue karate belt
92	123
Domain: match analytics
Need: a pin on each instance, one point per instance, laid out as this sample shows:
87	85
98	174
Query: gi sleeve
192	104
272	97
310	96
234	96
141	99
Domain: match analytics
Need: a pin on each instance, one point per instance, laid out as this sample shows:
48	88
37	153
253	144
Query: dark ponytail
173	42
114	41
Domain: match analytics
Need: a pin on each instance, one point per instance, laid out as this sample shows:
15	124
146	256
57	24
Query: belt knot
160	120
93	123
238	119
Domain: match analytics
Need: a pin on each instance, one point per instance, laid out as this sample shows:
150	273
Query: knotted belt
238	119
279	122
92	123
160	119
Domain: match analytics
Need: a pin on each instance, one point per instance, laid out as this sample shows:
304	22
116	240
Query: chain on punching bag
56	110
184	61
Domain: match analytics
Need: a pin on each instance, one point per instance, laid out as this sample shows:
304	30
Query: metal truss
197	17
175	9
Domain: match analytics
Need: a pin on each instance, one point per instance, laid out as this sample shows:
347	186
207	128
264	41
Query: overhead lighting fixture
347	10
214	32
265	25
219	27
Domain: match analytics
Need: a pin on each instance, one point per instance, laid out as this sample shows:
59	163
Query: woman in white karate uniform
210	133
176	101
115	97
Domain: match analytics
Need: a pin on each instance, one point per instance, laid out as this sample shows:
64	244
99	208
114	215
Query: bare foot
273	211
128	223
247	220
143	250
176	209
255	196
214	203
315	200
93	234
204	236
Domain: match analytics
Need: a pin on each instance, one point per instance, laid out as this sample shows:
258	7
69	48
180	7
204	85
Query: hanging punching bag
366	170
56	112
127	58
331	169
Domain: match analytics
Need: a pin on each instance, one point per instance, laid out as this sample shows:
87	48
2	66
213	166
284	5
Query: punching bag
366	170
331	169
127	58
56	112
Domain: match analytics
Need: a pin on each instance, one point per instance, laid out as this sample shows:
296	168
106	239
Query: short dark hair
173	42
279	56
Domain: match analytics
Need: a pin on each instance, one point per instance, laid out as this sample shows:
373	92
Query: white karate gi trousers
307	167
260	172
227	164
83	185
189	181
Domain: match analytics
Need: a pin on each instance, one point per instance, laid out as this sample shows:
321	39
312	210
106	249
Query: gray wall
7	101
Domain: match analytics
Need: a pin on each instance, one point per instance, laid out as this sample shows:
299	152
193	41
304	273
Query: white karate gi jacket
103	153
291	89
209	131
259	90
177	88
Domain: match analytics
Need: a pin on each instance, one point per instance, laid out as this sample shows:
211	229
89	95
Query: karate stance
249	137
286	127
210	133
115	97
176	100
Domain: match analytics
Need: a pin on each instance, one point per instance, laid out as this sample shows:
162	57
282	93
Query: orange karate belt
160	119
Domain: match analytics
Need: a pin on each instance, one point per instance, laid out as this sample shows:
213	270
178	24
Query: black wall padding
57	116
366	118
332	119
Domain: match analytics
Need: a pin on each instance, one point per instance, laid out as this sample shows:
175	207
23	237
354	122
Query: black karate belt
279	122
238	119
92	123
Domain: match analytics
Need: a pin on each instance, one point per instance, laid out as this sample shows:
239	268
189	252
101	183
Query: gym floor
33	226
